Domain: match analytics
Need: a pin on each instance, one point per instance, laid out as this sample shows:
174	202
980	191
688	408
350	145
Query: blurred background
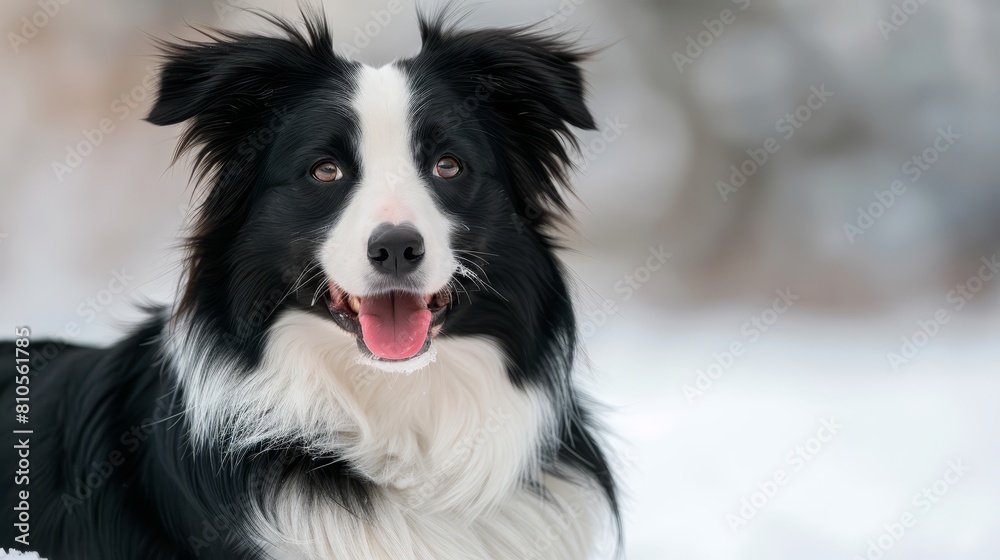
786	260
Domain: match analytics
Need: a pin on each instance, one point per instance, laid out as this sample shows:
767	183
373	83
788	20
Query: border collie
371	355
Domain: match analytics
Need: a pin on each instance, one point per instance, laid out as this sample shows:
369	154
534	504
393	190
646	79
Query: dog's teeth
355	303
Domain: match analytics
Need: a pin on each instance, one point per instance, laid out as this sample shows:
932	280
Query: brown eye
447	167
326	171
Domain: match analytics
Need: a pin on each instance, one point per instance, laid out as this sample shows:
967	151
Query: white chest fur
448	446
523	526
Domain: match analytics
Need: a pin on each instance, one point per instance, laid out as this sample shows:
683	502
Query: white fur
398	430
416	363
391	190
449	447
524	527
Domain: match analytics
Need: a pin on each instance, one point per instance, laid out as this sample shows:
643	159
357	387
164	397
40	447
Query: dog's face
392	254
401	202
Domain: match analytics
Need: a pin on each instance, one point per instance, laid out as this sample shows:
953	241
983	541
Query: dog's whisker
465	271
477	265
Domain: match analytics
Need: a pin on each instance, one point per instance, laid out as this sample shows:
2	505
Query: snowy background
824	435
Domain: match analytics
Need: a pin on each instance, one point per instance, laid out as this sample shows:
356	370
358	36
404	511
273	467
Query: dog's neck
456	433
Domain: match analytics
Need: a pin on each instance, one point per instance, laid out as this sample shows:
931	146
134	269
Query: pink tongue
394	325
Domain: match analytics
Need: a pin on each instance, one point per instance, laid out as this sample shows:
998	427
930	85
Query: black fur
504	99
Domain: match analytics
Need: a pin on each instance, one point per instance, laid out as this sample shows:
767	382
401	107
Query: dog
371	354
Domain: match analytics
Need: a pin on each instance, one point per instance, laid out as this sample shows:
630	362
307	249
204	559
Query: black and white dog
371	356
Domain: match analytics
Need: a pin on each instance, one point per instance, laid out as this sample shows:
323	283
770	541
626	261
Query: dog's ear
233	86
532	82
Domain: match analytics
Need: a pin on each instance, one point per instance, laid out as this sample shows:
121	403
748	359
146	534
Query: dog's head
401	202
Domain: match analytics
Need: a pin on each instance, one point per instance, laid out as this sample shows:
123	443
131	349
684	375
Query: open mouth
391	326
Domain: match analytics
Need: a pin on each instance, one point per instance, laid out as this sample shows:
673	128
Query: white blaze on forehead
382	102
390	189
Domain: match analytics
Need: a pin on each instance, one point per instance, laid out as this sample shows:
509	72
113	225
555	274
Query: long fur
242	422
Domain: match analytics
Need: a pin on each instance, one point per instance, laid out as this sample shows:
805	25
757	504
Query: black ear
231	86
234	92
535	87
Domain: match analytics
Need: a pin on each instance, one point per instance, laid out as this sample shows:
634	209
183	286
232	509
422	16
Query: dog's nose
395	249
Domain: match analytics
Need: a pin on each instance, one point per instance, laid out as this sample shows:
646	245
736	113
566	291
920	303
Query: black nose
395	250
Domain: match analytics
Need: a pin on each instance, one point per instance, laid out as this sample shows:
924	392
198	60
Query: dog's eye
447	167
327	171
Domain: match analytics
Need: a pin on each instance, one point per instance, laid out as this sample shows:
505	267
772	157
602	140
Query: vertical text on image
22	408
